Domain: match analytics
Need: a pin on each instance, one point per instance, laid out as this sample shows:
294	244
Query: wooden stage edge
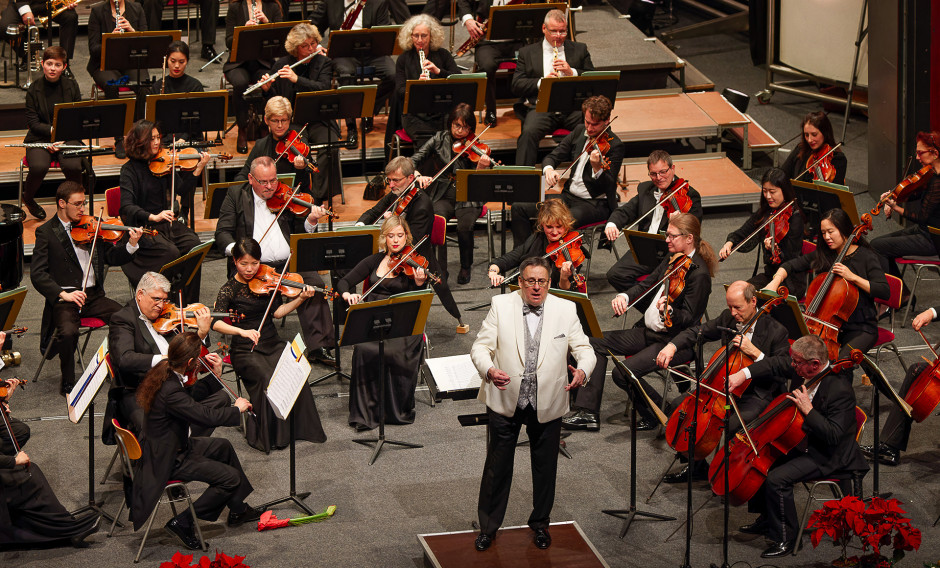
513	547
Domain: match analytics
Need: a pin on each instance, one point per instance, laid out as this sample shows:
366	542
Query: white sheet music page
289	377
87	387
454	373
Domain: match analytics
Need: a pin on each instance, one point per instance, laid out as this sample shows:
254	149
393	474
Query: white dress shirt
357	25
84	255
274	247
161	341
651	317
577	187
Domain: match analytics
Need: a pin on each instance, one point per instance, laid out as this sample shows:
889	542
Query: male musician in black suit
245	213
26	11
208	18
554	56
590	192
331	14
624	273
58	273
830	425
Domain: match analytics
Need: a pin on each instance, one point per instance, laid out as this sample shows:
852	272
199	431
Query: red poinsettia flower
269	521
179	561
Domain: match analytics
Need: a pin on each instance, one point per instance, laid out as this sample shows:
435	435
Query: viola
820	163
831	299
777	230
186	159
679	265
411	264
773	434
299	204
172	316
474	151
568	249
908	186
265	281
679	200
712	405
108	230
293	145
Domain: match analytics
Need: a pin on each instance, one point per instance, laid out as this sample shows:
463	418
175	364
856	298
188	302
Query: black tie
527	309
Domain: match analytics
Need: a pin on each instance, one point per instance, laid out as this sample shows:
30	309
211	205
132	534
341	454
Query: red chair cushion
227	360
484	211
561	132
918	260
507	65
404	136
112	200
93	323
54	163
884	336
438	230
590	225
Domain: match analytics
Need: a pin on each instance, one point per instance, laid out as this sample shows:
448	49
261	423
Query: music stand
91	120
188	113
334	251
506	185
440	96
136	50
263	42
818	197
215	196
520	21
565	94
648	249
402	315
181	271
348	102
788	313
10	303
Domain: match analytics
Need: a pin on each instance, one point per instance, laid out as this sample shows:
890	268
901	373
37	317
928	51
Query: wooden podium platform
513	547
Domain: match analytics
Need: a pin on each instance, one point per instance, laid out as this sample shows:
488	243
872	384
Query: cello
924	392
831	298
773	434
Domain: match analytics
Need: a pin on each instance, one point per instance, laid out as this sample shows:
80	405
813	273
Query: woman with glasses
424	34
402	355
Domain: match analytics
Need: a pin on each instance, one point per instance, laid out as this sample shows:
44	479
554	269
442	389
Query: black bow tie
527	309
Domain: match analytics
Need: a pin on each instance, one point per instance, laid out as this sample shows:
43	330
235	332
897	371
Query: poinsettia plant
880	524
836	520
222	560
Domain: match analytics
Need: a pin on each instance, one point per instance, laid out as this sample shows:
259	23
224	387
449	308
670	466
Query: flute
270	78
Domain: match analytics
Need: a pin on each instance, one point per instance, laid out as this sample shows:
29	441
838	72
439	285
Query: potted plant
836	520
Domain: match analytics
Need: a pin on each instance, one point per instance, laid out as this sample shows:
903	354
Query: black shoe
66	388
489	118
777	550
698	474
463	277
186	535
78	541
757	527
482	542
321	356
362	427
249	515
642	424
208	52
34	209
241	143
581	420
367	124
119	152
352	139
542	539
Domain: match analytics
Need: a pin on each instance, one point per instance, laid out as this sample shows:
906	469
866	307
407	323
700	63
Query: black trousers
39	160
536	126
316	322
66	319
101	78
242	77
345	68
487	58
213	461
775	498
584	211
172	241
624	274
67	20
421	127
503	433
896	430
209	16
911	241
467	216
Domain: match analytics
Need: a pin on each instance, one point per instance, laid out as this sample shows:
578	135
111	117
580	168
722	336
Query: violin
265	281
678	200
474	151
777	230
299	204
186	159
293	145
5	387
908	185
172	316
831	298
712	405
405	198
16	331
602	145
568	249
768	437
411	264
4	393
820	163
679	265
108	230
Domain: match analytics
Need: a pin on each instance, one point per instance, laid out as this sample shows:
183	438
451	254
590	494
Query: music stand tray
215	196
787	313
188	113
181	271
360	44
520	21
135	50
565	94
816	198
350	101
440	96
260	42
402	315
648	249
10	303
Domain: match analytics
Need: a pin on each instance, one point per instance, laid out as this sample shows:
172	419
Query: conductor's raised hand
498	377
577	378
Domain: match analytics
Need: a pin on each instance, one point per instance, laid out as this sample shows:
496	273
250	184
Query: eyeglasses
266	182
674	236
279	120
919	152
395	180
559	32
459	126
79	205
661	173
420	36
162	300
530	282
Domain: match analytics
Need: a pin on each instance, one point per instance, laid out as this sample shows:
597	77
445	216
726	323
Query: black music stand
261	42
334	251
519	21
327	107
507	185
648	249
215	196
188	113
136	50
91	120
818	197
565	94
402	315
440	96
181	271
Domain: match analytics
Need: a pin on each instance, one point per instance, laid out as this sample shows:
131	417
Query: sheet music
290	376
454	373
87	387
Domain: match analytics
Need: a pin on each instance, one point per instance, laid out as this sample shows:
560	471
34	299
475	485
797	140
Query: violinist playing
553	227
861	268
624	273
440	150
402	355
145	202
256	348
817	139
245	213
776	192
58	273
830	427
590	192
30	512
922	209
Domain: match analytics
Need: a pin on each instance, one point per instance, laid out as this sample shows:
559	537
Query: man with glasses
526	383
71	278
624	274
554	56
245	213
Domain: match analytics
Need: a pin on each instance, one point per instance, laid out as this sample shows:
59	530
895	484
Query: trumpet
33	53
273	75
425	74
57	7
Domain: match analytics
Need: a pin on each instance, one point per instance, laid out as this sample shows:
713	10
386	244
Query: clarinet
425	74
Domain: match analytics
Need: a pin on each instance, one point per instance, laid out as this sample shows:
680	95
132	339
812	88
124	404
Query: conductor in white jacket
522	354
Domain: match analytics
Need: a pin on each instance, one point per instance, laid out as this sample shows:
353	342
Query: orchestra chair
886	336
112	201
920	264
399	139
54	167
85	327
834	483
174	492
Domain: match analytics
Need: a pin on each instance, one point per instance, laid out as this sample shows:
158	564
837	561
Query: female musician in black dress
177	80
553	223
776	191
461	126
103	19
402	355
144	202
817	132
422	33
51	89
255	367
861	267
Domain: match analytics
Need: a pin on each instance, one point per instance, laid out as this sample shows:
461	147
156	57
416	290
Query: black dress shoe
482	542
66	388
581	420
34	209
886	454
249	515
208	52
68	73
757	527
321	356
186	535
78	541
352	139
642	424
542	539
777	550
489	118
463	277
367	124
698	474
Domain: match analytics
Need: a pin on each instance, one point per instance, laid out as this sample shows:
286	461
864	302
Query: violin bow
759	229
816	163
182	313
271	301
590	143
660	415
228	390
397	264
658	204
278	216
173	161
657	284
91	255
563	245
